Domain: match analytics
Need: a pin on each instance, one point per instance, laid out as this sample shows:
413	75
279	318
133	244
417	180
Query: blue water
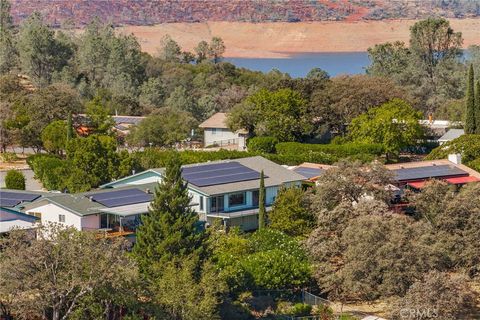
335	63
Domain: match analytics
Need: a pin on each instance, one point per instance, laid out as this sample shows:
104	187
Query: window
36	214
201	203
236	199
214	130
61	218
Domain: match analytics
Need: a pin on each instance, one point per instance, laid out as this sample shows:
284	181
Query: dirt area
281	39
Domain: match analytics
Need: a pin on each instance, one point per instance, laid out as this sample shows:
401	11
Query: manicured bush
262	144
15	180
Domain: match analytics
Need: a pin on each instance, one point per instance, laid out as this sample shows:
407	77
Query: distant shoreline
284	40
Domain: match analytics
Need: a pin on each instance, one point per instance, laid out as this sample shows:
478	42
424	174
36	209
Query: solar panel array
121	197
309	172
12	199
428	172
218	173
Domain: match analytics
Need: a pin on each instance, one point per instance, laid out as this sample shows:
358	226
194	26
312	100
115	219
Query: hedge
339	150
262	144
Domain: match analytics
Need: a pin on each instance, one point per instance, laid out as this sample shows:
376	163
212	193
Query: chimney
430	118
455	158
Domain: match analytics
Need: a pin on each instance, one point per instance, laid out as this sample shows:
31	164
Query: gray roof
80	203
276	175
451	135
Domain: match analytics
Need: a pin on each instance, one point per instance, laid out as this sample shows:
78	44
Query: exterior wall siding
50	213
211	135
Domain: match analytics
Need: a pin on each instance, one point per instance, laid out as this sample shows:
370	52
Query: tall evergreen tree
470	123
261	202
170	229
8	53
477	108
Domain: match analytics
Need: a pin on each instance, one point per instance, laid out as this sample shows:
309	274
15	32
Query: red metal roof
462	180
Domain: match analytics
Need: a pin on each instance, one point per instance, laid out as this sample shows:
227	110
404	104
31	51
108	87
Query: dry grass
277	40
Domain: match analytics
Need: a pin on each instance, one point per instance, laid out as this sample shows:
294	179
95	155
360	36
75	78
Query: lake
298	65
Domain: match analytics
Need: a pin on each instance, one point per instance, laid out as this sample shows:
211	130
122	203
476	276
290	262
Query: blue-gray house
227	190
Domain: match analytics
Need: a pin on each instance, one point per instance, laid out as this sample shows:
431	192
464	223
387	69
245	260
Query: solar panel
218	173
18	196
121	197
428	172
309	172
115	194
9	202
117	202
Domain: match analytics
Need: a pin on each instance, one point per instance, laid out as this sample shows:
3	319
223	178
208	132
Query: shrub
467	145
301	310
9	157
15	180
262	144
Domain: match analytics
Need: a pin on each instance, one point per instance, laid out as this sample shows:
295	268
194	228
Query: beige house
217	134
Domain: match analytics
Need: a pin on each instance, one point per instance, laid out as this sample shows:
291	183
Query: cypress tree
261	202
170	229
477	108
470	125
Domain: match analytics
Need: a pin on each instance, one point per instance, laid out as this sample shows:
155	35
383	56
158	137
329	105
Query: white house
217	134
226	190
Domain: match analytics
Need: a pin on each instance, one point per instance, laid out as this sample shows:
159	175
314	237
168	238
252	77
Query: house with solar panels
226	190
112	212
11	204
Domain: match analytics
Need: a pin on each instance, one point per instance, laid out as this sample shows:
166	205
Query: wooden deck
114	234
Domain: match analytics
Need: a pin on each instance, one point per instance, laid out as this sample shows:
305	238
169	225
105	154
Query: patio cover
129	210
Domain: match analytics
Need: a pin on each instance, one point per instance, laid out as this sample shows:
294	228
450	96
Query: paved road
31	183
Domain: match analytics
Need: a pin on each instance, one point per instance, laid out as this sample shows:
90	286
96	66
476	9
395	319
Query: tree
437	295
216	49
347	97
15	180
468	145
8	52
470	114
290	213
432	41
169	49
185	294
394	124
170	229
318	74
433	200
477	107
261	203
99	119
60	262
41	54
282	114
357	259
429	68
182	100
54	137
152	93
163	128
202	51
350	182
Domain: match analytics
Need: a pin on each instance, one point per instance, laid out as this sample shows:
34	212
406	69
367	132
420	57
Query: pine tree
8	52
470	125
477	108
171	228
261	202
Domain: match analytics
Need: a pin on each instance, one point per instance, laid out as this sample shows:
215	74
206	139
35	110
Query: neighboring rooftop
218	120
311	171
451	135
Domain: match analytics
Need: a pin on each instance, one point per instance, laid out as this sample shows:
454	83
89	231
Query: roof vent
90	198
